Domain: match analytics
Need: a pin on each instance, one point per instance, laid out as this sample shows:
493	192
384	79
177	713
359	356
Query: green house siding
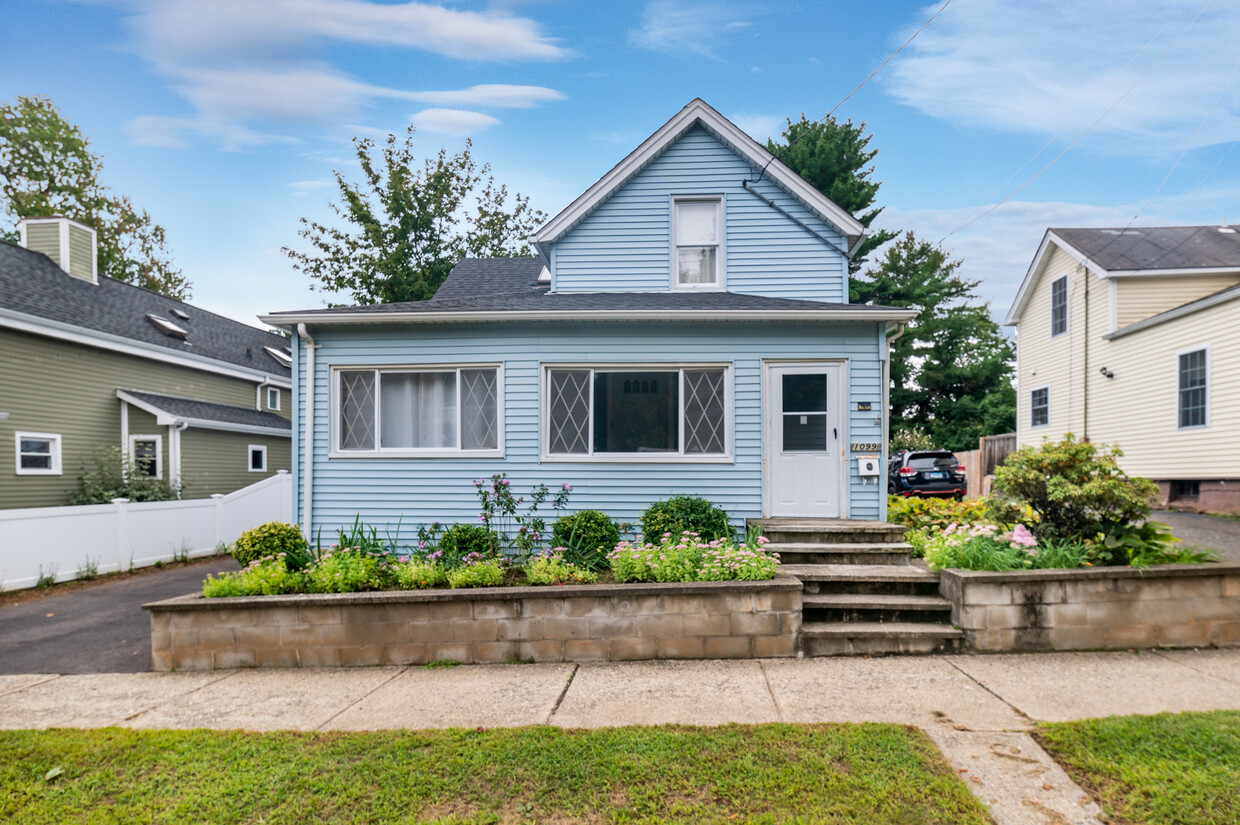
53	386
213	461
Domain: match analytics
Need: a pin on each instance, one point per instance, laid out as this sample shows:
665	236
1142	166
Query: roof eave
336	318
1033	273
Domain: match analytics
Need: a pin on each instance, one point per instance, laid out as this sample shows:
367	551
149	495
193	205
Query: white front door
804	407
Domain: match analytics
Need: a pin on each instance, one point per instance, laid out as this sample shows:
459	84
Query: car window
932	461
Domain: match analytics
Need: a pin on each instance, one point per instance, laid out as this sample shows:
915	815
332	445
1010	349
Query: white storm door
803	432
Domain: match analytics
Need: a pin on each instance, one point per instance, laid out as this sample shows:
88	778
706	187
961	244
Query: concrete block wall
1097	608
723	620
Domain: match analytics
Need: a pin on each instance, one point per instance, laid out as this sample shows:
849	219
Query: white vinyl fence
62	542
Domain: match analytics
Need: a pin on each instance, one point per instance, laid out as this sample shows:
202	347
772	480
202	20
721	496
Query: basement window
1184	490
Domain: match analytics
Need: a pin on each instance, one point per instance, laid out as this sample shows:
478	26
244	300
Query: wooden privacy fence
61	543
980	464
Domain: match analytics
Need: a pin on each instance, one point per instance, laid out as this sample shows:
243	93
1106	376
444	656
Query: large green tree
47	168
411	225
835	159
951	371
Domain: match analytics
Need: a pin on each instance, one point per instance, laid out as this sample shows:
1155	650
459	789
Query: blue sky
226	119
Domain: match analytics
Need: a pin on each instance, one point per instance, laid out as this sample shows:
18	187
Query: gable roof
172	409
35	290
697	113
1135	251
476	277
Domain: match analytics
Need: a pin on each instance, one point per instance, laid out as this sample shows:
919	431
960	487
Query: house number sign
866	446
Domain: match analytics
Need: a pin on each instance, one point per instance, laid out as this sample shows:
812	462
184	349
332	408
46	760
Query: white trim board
320	318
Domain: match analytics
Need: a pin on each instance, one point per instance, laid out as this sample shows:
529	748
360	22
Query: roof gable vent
72	245
166	327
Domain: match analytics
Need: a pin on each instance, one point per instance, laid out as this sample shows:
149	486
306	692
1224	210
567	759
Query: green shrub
976	547
555	569
586	537
268	540
1061	555
910	437
419	574
681	513
268	577
1076	490
480	573
918	513
461	540
687	558
112	476
347	571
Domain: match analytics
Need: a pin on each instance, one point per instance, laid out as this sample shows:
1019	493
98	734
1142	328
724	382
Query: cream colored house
1132	337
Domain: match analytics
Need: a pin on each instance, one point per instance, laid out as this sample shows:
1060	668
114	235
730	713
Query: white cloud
760	127
684	27
452	121
305	187
501	95
170	132
1043	66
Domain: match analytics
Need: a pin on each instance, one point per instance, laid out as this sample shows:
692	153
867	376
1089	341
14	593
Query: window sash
575	437
1059	306
1039	407
1194	381
273	398
37	453
462	415
146	455
697	259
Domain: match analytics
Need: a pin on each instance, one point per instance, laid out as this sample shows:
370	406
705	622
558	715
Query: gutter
291	319
307	466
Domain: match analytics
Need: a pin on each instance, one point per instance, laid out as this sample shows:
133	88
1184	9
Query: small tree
1076	489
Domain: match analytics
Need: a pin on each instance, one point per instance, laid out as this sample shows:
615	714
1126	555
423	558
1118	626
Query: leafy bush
481	572
267	577
419	574
1076	489
461	540
501	512
689	557
269	540
112	476
685	513
586	537
554	568
918	513
979	547
347	571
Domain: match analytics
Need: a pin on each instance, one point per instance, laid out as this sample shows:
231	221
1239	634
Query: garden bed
1097	608
601	622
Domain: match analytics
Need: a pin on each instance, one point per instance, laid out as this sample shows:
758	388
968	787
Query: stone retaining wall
1188	605
706	620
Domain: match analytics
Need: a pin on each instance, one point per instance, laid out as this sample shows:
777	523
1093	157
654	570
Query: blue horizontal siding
385	491
625	244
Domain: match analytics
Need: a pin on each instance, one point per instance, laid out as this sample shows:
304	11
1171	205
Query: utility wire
870	77
1082	135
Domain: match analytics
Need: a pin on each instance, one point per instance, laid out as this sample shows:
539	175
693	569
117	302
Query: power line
1082	135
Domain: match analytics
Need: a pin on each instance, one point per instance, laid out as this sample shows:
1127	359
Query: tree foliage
410	226
835	158
951	370
47	168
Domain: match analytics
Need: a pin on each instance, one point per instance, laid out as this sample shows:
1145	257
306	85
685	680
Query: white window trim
1209	386
1067	305
276	406
680	457
249	458
159	451
721	256
403	452
1032	390
55	446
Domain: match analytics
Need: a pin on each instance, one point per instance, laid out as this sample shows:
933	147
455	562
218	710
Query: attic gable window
697	238
167	327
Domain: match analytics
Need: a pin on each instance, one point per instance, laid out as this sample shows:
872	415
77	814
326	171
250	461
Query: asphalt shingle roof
31	283
1157	247
209	411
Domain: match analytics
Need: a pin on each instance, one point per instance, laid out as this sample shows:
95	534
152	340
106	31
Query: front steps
862	595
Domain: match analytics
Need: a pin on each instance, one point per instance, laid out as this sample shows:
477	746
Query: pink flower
1022	537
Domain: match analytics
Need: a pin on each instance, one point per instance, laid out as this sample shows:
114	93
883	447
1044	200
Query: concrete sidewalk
978	709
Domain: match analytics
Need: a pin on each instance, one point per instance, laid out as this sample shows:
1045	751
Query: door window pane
636	412
705	413
418	409
805	393
357	410
804	433
569	411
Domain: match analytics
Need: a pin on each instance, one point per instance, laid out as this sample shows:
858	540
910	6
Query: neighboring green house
87	361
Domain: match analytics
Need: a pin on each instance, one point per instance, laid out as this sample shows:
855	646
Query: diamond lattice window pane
357	410
705	413
569	427
479	410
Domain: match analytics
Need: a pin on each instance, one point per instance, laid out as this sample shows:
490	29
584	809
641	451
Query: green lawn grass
1171	768
765	774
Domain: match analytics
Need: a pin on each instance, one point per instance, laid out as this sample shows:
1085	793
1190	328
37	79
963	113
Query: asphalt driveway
1216	532
99	629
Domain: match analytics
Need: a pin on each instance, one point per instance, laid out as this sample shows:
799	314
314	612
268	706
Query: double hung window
418	411
1059	306
698	240
1194	388
38	454
146	455
1040	407
633	412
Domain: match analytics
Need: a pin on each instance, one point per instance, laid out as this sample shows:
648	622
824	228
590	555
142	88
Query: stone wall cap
1229	568
195	601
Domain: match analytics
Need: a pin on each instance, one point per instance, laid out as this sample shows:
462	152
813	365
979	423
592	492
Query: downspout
307	474
258	395
174	453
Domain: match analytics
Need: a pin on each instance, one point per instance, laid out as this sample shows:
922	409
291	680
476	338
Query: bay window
418	410
630	412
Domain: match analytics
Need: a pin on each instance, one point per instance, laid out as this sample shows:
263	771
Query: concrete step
865	579
876	638
875	607
843	552
827	531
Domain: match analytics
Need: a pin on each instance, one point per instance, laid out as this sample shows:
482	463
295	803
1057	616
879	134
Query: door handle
835	433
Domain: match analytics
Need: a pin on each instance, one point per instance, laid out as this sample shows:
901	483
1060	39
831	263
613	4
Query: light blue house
685	328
